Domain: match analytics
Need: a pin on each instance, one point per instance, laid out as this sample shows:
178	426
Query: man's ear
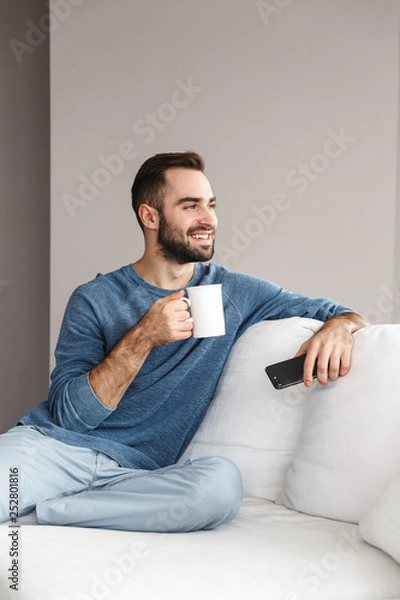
149	216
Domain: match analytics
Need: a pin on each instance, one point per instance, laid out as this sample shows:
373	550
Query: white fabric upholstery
349	443
380	526
267	553
248	420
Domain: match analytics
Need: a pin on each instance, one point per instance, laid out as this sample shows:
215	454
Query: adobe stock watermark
387	301
145	129
317	573
37	33
294	398
123	565
299	178
178	511
271	8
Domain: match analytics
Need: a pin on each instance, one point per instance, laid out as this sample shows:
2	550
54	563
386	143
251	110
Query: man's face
187	223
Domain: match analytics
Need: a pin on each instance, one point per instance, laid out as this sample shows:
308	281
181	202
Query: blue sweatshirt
163	407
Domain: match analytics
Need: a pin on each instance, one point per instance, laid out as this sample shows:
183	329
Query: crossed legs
84	488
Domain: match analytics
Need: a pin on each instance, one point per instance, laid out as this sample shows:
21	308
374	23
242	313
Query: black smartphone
288	372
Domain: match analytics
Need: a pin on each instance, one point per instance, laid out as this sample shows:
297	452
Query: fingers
174	296
332	355
167	320
345	363
303	349
181	303
311	356
176	308
181	308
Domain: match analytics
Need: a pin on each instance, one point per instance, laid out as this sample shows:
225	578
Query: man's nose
207	217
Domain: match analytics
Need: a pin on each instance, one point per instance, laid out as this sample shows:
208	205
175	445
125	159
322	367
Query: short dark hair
149	185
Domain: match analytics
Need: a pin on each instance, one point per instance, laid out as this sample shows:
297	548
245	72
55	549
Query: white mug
207	310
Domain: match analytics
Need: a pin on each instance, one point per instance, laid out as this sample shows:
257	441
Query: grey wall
24	212
268	91
272	90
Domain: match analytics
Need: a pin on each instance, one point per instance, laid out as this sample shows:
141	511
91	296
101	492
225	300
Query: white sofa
321	515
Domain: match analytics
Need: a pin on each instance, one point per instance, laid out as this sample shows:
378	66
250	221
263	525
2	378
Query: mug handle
190	319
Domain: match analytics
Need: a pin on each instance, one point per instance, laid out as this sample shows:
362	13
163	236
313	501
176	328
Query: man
131	385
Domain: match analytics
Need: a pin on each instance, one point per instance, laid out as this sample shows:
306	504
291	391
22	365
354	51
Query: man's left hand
332	345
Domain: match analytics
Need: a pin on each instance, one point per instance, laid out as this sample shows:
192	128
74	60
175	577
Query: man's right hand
167	320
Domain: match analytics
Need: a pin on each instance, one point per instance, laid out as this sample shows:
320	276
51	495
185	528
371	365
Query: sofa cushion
380	526
248	420
349	444
267	553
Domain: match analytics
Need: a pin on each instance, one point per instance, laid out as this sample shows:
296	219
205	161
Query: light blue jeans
77	486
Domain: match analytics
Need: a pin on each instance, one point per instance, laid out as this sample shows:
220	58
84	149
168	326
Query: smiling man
131	384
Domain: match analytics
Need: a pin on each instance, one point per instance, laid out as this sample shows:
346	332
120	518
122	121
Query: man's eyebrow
190	199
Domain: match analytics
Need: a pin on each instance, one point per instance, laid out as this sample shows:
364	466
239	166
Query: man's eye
190	206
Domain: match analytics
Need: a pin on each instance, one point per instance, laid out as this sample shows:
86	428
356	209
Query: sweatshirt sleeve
262	300
81	346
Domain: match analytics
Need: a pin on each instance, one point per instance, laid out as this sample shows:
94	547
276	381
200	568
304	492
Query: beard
175	245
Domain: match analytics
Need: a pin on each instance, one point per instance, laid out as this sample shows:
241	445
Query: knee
222	489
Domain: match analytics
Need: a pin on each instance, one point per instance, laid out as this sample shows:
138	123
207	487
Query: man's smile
204	236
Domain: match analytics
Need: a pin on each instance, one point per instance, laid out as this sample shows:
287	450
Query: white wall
269	93
24	213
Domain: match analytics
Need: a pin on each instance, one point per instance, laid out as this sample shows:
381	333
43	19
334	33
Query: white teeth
201	236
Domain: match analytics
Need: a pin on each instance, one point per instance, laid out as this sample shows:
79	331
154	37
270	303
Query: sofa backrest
250	422
349	445
326	450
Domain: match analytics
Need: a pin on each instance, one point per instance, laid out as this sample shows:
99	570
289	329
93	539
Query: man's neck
163	274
